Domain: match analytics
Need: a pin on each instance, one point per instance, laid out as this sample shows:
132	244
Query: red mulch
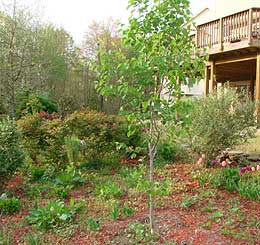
183	226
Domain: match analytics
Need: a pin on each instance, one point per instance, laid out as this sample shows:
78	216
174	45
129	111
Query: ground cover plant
185	209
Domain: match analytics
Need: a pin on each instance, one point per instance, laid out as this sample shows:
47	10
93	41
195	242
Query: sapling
148	77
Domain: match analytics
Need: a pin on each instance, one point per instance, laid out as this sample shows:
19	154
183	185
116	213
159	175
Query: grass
252	146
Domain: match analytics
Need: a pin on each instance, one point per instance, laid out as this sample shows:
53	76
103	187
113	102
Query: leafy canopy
148	78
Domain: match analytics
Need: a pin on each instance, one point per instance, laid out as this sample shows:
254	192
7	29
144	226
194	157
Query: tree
149	81
18	38
32	55
103	35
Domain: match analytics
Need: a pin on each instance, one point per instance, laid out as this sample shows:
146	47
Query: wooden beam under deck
236	59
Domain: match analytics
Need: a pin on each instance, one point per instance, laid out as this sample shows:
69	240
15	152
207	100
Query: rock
253	158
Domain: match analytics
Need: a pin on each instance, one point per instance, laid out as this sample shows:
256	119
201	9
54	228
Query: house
230	33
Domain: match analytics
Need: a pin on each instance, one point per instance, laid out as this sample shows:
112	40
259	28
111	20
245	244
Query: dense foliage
11	152
220	120
86	136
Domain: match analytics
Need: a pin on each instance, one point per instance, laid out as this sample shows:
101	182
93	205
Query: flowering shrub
219	121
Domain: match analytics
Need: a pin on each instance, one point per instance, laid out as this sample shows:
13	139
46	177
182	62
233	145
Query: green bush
219	121
167	151
36	173
43	139
55	214
99	133
30	102
83	137
9	205
68	178
11	152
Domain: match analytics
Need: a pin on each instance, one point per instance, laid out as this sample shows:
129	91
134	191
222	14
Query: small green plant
226	178
163	187
167	151
93	224
36	173
9	205
34	239
127	211
115	210
187	202
139	233
109	190
54	214
134	177
216	216
69	177
73	146
62	192
249	186
203	177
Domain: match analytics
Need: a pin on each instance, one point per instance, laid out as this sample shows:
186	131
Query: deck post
220	34
206	81
252	88
250	25
257	87
212	76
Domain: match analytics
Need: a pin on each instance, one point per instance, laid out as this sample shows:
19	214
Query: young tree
149	81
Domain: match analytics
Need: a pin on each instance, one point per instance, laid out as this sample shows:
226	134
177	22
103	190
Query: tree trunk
151	196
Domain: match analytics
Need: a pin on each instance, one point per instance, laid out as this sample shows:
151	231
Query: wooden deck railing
242	26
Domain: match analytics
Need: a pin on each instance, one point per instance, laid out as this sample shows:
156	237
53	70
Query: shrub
68	178
9	205
31	102
93	224
42	136
36	173
167	151
219	121
85	136
11	152
55	214
99	134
